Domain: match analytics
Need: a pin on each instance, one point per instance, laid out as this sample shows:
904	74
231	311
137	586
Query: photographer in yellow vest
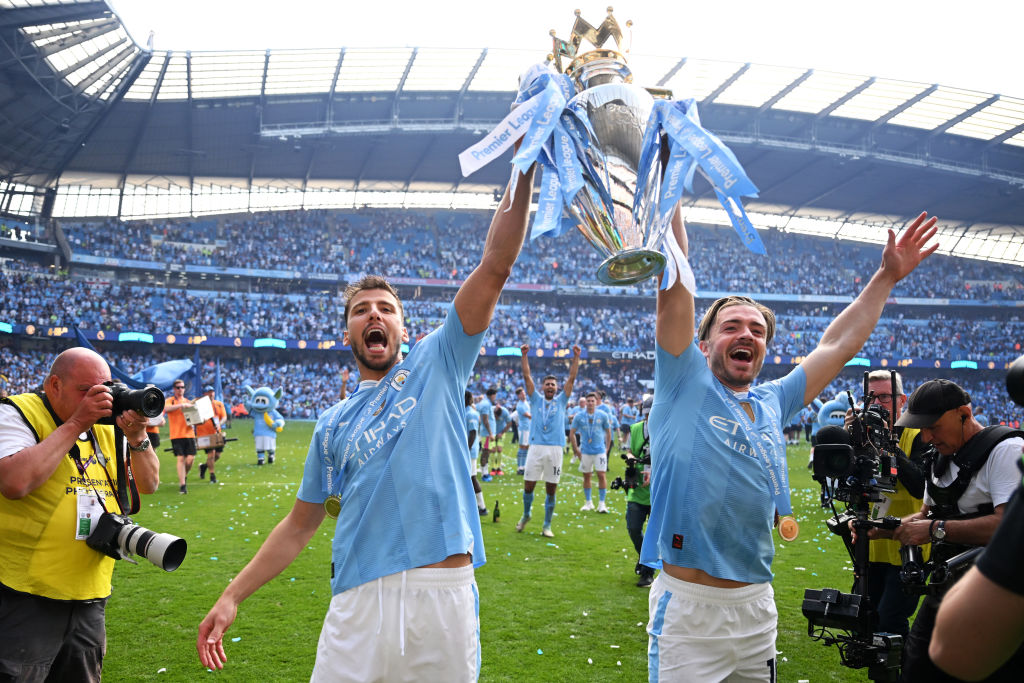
57	476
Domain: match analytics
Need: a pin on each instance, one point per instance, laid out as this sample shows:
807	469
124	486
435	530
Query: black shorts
183	447
154	439
63	639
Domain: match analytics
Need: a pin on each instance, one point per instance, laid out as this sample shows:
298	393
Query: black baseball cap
930	401
208	388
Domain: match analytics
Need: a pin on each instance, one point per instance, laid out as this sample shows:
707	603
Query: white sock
480	500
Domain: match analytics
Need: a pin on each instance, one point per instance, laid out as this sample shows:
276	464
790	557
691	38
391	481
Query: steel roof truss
75	36
401	83
724	85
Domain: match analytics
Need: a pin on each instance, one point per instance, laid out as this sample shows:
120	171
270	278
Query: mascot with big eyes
266	421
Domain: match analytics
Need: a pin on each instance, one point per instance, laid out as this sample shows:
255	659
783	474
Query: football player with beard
718	471
389	462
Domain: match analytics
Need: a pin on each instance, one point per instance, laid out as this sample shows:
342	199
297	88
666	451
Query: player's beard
381	364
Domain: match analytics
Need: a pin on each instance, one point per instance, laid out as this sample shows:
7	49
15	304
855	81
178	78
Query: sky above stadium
966	45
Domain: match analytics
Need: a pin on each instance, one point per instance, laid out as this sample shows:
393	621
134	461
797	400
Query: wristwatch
141	447
939	533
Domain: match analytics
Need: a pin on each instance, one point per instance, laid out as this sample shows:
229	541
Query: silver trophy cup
627	234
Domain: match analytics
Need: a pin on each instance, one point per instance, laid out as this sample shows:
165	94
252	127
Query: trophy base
630	266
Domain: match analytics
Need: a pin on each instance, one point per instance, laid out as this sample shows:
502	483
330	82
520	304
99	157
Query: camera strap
127	491
969	459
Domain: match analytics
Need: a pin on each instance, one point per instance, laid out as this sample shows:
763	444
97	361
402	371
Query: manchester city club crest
398	381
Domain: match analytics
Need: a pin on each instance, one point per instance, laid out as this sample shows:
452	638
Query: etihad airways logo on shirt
376	435
731	429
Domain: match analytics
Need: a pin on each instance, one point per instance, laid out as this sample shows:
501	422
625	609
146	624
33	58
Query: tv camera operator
893	606
637	483
980	623
970	480
58	477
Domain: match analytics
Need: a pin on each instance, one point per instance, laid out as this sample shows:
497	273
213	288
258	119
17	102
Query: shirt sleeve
1001	560
1002	471
15	435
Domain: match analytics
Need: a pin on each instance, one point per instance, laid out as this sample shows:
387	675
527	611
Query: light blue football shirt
591	430
629	415
473	423
548	422
711	503
501	419
523	408
407	498
484	407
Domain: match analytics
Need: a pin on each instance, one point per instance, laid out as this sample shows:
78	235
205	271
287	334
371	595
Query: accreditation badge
789	529
90	507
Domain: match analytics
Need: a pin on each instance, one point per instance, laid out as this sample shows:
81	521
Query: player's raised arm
845	336
574	367
674	327
478	295
527	378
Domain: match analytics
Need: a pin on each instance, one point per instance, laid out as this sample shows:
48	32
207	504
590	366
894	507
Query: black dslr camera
148	401
120	538
633	476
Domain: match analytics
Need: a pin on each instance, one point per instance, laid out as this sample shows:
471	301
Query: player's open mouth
742	355
376	341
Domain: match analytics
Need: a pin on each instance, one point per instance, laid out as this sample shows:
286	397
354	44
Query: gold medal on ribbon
788	529
333	506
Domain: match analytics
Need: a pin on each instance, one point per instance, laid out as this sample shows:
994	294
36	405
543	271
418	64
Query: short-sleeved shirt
179	428
994	483
473	425
548	426
407	496
501	420
484	407
629	415
212	426
1001	560
591	428
712	506
607	410
523	408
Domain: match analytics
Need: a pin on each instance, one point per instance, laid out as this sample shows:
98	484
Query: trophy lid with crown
599	65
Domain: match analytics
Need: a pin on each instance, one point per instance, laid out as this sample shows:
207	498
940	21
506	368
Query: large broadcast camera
856	465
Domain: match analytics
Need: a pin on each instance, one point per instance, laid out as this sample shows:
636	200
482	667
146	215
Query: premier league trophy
613	113
599	140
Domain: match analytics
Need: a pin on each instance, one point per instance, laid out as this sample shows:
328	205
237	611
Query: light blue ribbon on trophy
542	97
692	148
717	163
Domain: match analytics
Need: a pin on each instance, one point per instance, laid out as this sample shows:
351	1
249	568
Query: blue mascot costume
266	421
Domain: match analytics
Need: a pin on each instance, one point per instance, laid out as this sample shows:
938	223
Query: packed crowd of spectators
39	298
446	245
310	386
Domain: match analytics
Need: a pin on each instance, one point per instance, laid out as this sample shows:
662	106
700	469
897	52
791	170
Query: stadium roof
82	104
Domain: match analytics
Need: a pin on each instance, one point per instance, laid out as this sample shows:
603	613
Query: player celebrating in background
595	432
525	416
547	437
